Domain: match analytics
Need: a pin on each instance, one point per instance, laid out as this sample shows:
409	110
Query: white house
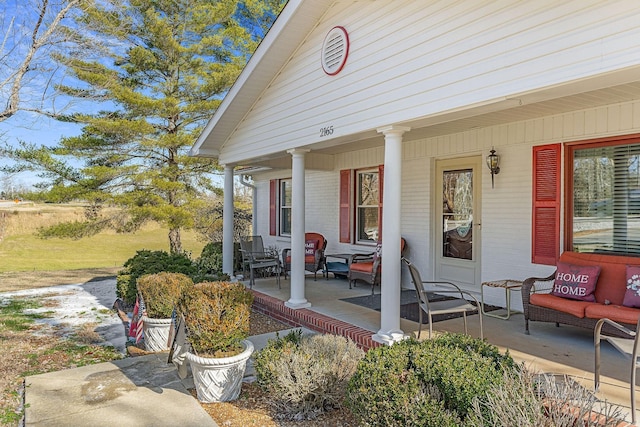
367	119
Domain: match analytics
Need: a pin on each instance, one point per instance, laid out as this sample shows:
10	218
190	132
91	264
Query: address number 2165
326	131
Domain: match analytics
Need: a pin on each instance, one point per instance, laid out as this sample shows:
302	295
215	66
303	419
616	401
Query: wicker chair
255	258
366	267
627	346
459	304
314	258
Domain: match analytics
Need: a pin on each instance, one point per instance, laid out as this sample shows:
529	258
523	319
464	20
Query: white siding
412	59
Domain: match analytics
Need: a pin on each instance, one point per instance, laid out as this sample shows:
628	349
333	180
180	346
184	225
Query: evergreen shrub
429	383
306	375
216	317
150	262
161	292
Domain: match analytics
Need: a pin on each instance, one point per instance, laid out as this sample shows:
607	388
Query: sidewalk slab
136	391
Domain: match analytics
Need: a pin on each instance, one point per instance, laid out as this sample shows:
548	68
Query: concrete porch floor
548	349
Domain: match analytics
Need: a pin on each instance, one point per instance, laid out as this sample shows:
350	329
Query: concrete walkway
136	391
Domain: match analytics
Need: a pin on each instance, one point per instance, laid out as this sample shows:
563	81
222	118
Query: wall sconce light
493	162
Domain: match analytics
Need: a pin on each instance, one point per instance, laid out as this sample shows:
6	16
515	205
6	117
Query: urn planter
219	379
156	334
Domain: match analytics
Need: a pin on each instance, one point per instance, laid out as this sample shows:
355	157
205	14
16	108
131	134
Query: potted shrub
160	293
216	317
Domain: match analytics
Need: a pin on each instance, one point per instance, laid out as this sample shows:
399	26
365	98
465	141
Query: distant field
21	250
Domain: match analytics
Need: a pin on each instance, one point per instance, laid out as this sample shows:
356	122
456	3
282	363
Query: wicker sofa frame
544	314
534	312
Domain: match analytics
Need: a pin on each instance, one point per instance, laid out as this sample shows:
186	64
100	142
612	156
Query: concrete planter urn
219	379
156	334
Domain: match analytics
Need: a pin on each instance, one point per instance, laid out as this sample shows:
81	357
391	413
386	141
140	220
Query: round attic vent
335	50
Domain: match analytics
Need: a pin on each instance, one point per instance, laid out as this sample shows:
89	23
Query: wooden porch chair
366	267
459	304
314	259
254	257
627	346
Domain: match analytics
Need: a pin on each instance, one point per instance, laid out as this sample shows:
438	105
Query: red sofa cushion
612	283
617	313
364	267
574	307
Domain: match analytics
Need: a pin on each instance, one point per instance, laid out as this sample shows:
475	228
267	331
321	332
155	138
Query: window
361	194
285	206
280	207
368	200
604	202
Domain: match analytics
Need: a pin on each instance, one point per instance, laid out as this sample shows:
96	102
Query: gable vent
335	50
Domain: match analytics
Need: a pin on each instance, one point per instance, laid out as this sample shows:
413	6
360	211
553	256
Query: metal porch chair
627	346
255	258
459	304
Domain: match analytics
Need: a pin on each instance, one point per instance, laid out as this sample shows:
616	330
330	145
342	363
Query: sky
16	22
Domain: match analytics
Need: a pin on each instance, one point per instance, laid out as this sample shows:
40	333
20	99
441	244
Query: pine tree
160	70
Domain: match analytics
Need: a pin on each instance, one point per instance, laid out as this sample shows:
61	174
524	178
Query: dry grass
22	250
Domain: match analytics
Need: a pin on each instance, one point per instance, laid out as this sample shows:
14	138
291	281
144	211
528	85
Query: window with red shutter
545	242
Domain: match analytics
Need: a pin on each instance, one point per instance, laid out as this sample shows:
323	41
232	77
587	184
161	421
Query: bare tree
31	32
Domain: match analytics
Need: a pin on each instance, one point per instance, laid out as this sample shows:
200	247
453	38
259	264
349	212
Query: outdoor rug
409	308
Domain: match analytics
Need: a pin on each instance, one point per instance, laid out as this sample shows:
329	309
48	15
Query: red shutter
273	188
380	196
545	242
345	206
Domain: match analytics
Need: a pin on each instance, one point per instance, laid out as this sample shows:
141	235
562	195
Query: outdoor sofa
610	297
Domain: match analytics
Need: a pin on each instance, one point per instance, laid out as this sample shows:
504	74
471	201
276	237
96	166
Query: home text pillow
632	294
310	247
576	281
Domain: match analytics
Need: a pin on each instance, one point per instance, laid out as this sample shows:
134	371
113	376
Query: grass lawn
22	250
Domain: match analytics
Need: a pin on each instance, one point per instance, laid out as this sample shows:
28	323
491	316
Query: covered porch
549	349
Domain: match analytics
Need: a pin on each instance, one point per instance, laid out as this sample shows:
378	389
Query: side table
508	285
339	268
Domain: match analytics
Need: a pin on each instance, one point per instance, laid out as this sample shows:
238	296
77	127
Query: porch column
390	283
227	222
297	299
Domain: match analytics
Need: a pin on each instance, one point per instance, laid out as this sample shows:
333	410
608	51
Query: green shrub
386	390
216	316
150	262
161	291
429	383
210	261
307	375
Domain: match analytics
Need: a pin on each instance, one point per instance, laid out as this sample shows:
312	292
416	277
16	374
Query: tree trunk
175	244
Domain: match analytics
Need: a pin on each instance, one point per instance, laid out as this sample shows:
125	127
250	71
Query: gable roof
298	18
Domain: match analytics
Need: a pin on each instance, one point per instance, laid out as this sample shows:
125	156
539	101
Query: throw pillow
632	294
576	281
310	247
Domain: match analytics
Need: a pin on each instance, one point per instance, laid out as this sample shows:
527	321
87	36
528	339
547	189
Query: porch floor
549	349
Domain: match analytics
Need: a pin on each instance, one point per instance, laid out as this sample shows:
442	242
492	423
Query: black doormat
409	308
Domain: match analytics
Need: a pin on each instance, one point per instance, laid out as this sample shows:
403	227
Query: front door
457	221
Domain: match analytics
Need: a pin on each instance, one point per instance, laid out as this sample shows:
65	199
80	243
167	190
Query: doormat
409	308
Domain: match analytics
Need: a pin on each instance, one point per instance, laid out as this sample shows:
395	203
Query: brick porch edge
306	318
